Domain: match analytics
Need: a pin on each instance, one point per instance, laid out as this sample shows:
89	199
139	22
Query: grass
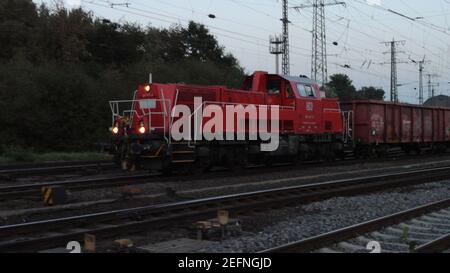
19	155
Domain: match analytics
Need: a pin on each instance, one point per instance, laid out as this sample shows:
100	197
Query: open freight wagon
377	126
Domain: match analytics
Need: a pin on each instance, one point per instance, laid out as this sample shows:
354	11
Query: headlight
115	129
142	128
147	88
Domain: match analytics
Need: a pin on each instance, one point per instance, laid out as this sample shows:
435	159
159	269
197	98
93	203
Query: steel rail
50	168
29	190
340	235
48	233
33	189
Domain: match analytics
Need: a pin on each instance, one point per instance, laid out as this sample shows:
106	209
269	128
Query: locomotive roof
303	80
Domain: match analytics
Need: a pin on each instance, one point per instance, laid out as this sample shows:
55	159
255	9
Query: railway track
12	171
425	229
34	189
33	236
9	172
23	191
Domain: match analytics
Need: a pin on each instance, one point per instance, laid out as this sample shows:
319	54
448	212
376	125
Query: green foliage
412	245
59	68
370	93
341	86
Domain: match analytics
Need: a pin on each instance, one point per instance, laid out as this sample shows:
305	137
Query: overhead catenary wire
361	49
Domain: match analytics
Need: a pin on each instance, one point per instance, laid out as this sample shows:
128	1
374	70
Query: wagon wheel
268	161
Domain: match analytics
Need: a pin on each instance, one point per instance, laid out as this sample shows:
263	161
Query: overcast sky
359	28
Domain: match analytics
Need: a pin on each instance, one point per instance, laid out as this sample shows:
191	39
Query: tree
340	86
370	93
18	19
59	68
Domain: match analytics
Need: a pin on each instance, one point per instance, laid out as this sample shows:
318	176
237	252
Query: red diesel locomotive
308	125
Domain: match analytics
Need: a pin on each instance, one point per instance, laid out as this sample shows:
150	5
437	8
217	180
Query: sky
359	28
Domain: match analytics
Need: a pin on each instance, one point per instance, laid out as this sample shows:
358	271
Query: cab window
247	86
273	87
301	90
310	91
289	92
306	91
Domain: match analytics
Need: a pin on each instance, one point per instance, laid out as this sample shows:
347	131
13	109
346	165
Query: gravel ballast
280	227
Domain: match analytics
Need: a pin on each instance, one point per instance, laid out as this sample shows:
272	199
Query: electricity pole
319	69
394	89
421	63
421	69
431	85
286	63
276	48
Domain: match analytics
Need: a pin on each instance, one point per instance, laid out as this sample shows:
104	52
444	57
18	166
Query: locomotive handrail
132	106
172	116
164	117
115	108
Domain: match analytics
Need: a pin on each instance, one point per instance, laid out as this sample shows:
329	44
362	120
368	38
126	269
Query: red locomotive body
379	125
308	124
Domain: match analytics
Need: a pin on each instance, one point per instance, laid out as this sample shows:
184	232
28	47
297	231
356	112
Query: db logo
309	106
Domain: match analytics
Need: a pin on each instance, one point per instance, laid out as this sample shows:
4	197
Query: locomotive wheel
330	157
166	167
201	166
166	171
124	165
268	161
116	159
295	160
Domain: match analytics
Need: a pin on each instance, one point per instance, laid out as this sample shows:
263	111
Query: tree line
341	86
60	67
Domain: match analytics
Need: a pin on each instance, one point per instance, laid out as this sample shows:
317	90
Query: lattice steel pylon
394	85
286	67
319	70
